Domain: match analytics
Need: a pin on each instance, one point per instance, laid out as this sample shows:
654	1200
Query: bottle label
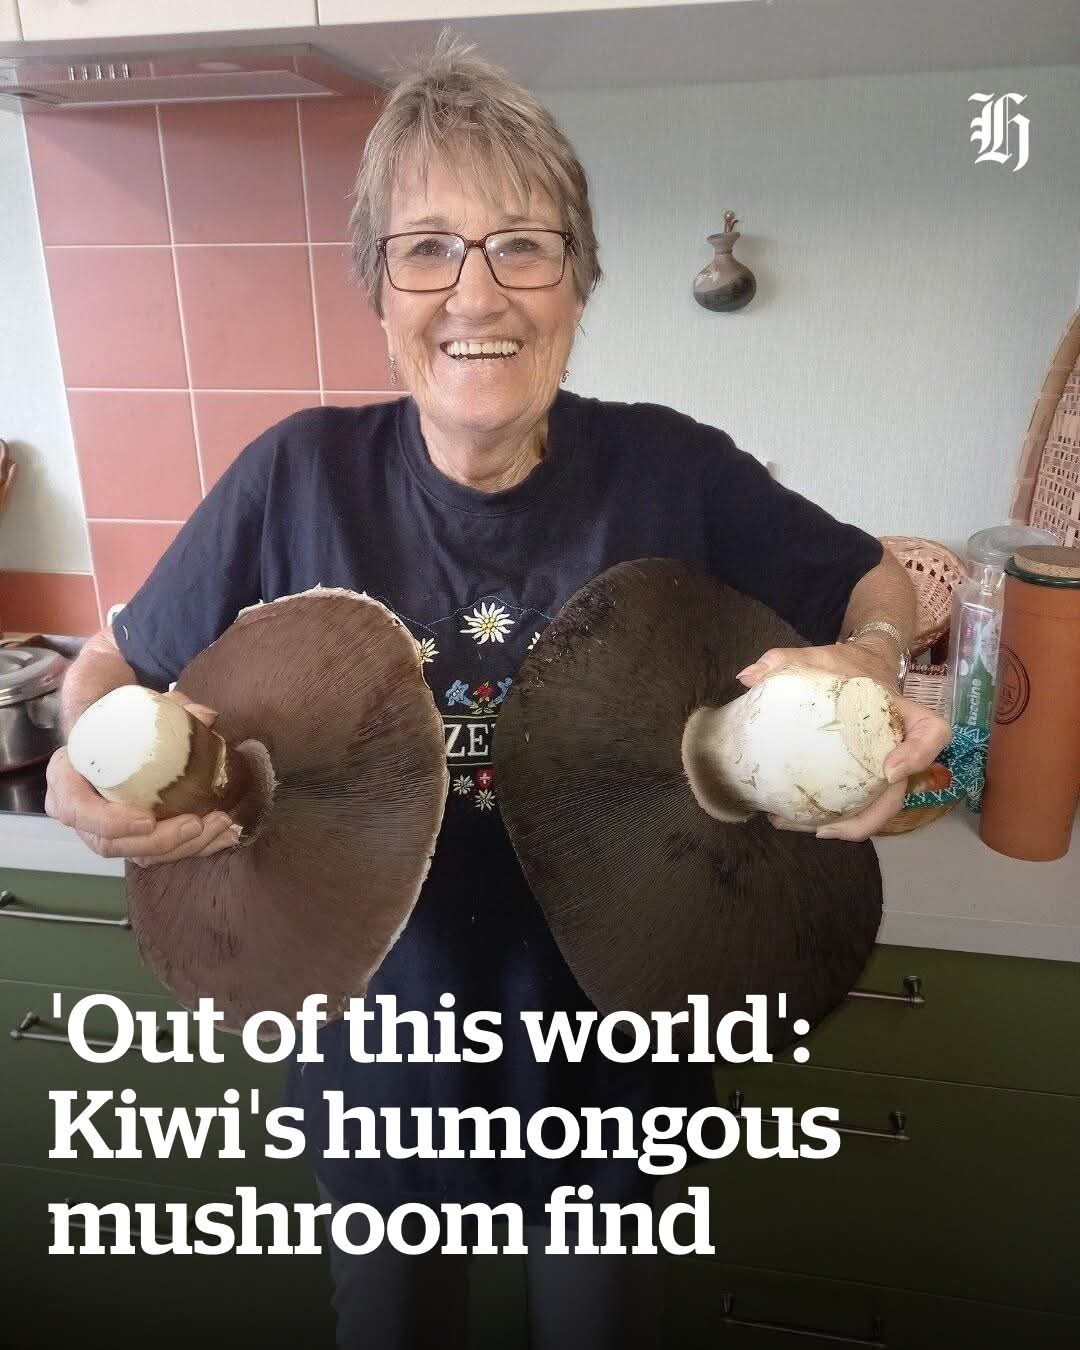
1015	688
976	660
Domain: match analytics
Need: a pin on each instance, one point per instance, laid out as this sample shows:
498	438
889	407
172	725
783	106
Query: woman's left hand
925	733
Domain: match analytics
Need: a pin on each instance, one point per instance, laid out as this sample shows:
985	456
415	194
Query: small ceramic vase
725	284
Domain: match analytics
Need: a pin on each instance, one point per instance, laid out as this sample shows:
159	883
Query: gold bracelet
882	626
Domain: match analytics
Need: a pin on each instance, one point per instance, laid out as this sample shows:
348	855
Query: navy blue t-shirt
347	497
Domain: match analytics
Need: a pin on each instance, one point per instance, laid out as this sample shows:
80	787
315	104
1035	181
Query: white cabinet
386	11
9	21
51	19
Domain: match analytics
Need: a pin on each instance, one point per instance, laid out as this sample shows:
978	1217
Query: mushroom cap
649	898
330	683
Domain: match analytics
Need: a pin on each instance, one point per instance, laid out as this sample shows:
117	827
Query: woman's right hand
116	831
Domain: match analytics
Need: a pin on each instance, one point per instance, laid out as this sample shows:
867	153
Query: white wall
42	528
909	300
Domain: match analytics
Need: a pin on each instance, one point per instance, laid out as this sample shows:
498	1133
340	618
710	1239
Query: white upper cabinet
52	19
386	11
9	21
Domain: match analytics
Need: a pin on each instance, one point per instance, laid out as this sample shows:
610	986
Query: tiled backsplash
197	264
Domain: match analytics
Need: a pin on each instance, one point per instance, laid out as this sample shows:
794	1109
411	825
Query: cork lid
1046	565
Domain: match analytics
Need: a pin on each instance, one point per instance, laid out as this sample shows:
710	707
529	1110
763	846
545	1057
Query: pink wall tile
124	556
234	172
116	317
238	177
229	422
344	398
333	132
48	602
136	454
248	317
351	338
97	177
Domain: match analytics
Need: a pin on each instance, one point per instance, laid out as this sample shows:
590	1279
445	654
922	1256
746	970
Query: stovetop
22	793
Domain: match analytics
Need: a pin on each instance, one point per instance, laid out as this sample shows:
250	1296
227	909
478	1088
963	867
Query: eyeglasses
519	260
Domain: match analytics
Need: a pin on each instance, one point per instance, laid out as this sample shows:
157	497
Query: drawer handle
910	998
728	1319
24	1031
896	1134
8	898
107	1225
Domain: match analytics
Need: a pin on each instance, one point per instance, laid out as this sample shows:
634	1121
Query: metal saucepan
29	705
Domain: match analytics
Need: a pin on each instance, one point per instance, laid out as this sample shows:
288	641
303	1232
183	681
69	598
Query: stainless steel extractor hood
208	75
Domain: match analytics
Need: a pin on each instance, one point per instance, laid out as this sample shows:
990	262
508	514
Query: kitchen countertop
943	887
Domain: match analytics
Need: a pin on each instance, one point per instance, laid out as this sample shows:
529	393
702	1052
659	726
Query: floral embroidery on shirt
488	623
457	693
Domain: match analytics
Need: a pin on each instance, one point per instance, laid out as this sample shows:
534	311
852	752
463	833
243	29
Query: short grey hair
456	106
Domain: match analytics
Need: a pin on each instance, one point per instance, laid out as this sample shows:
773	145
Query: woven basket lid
936	573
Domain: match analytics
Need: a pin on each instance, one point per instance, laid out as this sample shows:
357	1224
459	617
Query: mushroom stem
137	747
802	744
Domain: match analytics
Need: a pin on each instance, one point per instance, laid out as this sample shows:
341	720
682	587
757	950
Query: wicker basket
906	821
1047	487
928	686
936	572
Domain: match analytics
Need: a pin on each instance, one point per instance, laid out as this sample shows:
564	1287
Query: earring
391	366
565	375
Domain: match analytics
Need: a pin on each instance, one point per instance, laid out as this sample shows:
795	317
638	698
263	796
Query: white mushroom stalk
140	748
802	744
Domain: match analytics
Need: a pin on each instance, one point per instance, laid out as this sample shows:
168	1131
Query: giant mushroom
634	771
329	752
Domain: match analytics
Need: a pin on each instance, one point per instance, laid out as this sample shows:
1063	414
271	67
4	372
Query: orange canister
1033	768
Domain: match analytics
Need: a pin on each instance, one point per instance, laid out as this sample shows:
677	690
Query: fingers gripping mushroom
140	748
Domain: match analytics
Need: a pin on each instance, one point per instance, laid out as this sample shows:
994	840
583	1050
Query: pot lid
997	545
28	672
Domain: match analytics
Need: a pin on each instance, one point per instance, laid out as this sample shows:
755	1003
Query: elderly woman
474	507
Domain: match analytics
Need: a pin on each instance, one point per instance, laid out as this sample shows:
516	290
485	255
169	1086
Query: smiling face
497	397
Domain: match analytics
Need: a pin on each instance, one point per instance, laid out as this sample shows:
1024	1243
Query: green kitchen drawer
31	1068
980	1202
713	1305
498	1303
997	1021
132	1302
69	930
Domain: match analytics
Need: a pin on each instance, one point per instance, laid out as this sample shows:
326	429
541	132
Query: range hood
208	75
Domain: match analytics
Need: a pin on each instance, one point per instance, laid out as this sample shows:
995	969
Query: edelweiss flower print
488	623
469	659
